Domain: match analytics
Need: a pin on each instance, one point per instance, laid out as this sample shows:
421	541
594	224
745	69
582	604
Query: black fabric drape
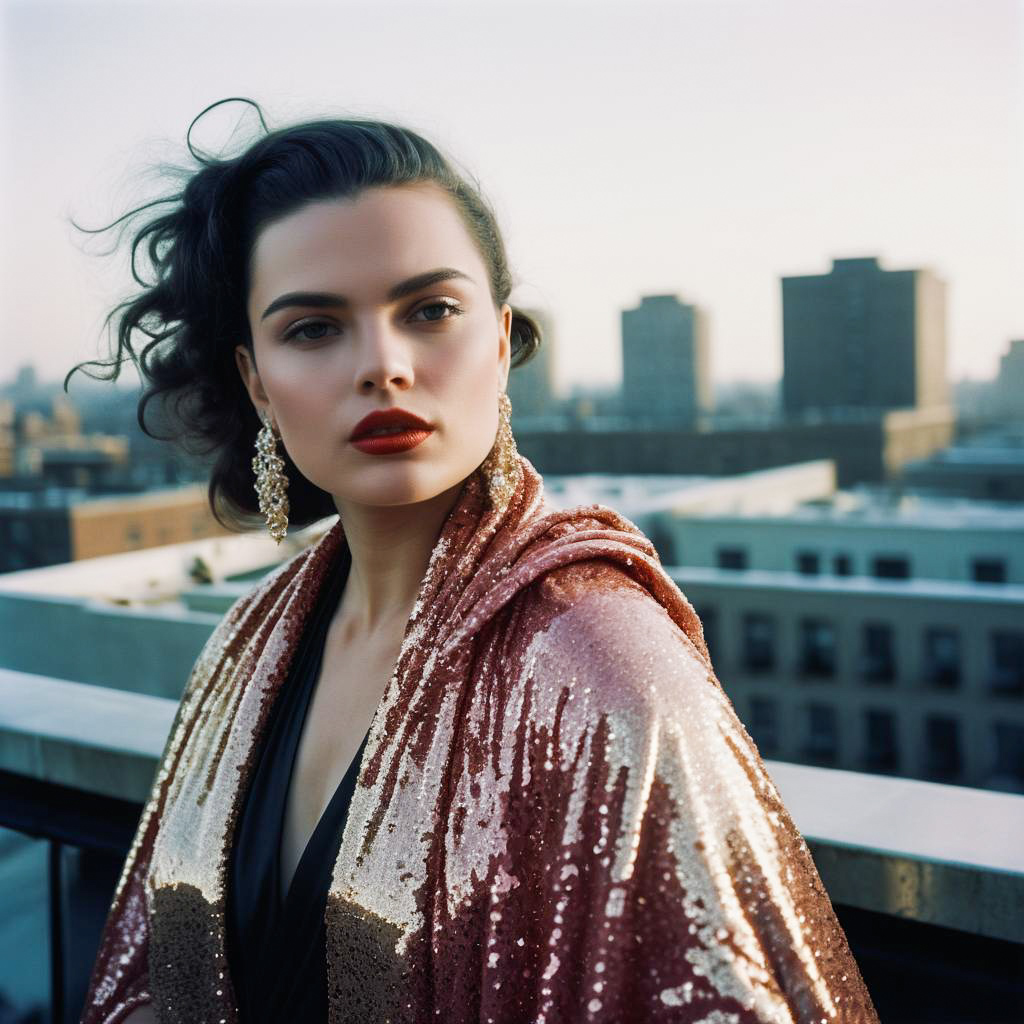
276	951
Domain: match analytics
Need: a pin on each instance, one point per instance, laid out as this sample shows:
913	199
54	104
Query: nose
385	358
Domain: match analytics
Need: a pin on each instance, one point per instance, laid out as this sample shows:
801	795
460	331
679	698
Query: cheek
300	392
467	388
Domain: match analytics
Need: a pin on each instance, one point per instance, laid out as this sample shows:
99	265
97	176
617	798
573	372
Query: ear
246	363
505	345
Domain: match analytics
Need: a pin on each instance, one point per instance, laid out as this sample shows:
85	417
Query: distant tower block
863	338
531	386
1010	382
665	364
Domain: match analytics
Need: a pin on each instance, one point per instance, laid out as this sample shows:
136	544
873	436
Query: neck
391	548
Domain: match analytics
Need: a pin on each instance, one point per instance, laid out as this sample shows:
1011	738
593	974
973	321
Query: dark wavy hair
194	309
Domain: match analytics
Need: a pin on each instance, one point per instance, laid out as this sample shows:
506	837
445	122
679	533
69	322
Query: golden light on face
368	304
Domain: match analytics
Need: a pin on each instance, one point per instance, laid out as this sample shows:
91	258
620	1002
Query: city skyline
718	148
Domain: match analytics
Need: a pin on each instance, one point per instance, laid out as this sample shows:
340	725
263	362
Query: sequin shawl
559	817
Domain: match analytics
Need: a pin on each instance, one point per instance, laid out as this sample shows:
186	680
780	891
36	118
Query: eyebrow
321	300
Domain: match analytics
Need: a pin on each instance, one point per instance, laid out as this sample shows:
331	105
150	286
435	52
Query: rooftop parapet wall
944	855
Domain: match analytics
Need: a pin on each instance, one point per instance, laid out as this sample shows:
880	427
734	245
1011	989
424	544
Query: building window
732	558
758	642
988	570
1007	676
822	744
942	748
878	654
808	563
764	725
708	616
1009	766
942	657
842	565
891	567
881	753
817	648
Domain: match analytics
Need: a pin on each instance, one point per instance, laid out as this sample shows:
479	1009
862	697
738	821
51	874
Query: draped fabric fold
558	815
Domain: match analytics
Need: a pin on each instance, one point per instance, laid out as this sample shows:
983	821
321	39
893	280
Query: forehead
378	237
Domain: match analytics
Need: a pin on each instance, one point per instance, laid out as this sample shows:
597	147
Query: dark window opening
732	558
764	725
758	642
988	570
842	565
943	760
942	657
878	654
817	648
1007	673
808	563
881	753
1009	762
891	567
822	743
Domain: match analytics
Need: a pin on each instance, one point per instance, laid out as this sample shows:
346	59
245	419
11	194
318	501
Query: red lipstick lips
399	432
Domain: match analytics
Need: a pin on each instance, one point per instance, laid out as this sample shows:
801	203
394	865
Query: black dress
276	952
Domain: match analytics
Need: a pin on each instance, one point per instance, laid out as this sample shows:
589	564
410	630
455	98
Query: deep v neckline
315	841
308	674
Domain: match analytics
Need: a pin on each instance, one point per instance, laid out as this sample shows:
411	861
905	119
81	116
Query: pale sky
697	148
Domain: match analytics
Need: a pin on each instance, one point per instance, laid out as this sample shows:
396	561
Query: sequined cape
559	817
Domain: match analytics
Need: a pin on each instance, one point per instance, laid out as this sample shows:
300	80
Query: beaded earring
501	467
271	480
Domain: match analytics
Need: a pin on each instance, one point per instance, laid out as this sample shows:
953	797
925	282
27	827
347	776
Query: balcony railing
927	879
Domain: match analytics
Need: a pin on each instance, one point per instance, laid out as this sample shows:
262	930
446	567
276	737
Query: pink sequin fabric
559	817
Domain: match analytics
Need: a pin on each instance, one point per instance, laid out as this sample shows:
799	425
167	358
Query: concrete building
1010	382
988	466
48	525
861	337
924	679
858	630
856	533
665	362
865	446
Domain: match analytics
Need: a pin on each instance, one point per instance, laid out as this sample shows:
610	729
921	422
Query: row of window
880	752
817	652
883	567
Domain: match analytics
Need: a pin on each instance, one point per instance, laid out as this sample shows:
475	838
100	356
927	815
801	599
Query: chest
352	680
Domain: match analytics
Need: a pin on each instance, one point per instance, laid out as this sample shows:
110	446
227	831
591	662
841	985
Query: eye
299	329
315	330
453	308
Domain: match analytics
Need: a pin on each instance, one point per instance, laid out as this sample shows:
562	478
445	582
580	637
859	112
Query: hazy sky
700	148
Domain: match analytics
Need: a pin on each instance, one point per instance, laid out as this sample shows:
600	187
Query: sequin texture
559	816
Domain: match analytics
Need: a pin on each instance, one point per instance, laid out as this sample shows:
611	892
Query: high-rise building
665	361
863	338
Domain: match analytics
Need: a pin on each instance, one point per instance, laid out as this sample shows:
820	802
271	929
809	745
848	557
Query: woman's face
333	340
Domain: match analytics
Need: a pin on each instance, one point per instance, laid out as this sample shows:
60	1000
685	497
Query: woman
465	757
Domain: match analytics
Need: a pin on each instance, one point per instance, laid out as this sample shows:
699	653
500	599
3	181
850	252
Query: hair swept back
193	311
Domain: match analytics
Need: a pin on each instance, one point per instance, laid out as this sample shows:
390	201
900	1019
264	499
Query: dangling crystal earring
271	480
501	468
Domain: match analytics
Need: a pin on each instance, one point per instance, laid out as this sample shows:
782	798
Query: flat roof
916	588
